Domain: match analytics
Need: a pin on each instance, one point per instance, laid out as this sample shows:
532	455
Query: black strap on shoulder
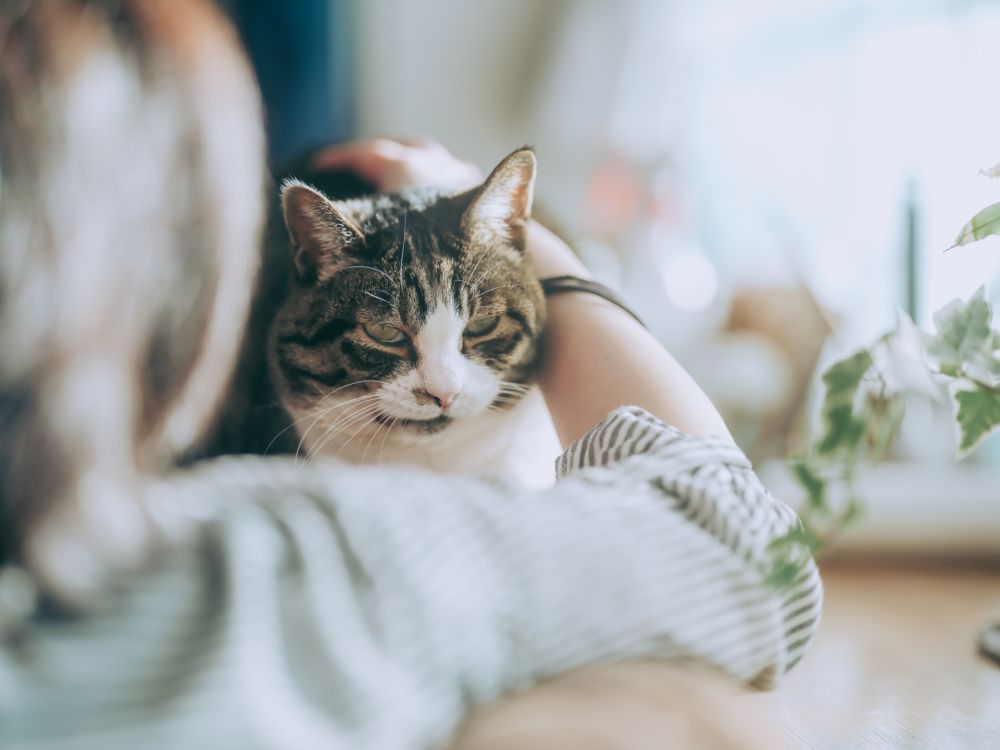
562	284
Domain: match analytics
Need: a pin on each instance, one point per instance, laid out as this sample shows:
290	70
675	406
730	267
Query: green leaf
798	537
843	378
814	485
790	553
963	333
884	427
842	430
784	574
983	224
977	413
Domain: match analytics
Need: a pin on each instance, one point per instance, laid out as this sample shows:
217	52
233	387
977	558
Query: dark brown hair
131	193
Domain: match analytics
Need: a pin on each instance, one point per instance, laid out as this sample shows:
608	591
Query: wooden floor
895	664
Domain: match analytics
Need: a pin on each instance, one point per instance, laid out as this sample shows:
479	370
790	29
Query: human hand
391	165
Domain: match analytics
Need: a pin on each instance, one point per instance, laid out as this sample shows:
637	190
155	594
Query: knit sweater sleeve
324	606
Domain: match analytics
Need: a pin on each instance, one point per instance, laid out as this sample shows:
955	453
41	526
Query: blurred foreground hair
131	194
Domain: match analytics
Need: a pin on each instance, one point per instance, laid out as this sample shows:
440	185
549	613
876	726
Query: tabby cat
408	330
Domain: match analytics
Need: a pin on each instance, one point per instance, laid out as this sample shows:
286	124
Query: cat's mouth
435	424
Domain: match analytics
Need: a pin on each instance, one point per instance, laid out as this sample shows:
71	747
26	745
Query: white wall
486	77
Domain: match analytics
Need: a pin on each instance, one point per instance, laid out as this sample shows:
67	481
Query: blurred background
766	182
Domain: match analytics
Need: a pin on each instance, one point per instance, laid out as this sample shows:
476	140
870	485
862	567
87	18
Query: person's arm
330	606
598	358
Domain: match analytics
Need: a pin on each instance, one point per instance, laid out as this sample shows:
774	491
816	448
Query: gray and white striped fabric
325	606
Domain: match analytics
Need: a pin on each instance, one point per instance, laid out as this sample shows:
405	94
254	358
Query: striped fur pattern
411	331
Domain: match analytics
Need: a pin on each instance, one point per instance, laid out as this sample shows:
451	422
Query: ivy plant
864	397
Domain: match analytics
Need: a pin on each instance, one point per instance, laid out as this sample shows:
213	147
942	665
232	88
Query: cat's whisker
475	268
343	421
325	396
321	410
370	394
366	402
326	408
318	416
371	439
337	420
381	427
360	424
491	253
389	425
383	300
354	383
484	274
315	417
340	426
330	394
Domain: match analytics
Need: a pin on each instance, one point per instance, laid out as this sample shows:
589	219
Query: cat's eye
482	325
384	334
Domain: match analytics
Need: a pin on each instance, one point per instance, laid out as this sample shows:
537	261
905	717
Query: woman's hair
131	196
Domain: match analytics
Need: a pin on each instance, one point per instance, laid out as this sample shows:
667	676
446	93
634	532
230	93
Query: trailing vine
864	400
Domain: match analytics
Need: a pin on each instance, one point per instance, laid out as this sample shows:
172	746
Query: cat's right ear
323	238
502	205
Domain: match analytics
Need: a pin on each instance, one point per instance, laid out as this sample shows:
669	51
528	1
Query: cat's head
410	313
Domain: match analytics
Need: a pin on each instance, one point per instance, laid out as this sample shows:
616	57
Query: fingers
417	141
392	164
369	158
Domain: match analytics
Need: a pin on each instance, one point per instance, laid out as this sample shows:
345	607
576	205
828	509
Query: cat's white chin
518	445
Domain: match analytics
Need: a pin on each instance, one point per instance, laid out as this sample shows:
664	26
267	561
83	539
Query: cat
404	328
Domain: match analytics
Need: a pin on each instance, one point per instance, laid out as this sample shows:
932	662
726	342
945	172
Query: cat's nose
443	397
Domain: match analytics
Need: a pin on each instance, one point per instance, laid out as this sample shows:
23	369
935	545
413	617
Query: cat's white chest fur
518	446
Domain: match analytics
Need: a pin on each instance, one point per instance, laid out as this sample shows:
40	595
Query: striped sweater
334	607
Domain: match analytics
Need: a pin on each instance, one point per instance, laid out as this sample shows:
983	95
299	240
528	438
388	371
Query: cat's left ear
502	205
323	237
